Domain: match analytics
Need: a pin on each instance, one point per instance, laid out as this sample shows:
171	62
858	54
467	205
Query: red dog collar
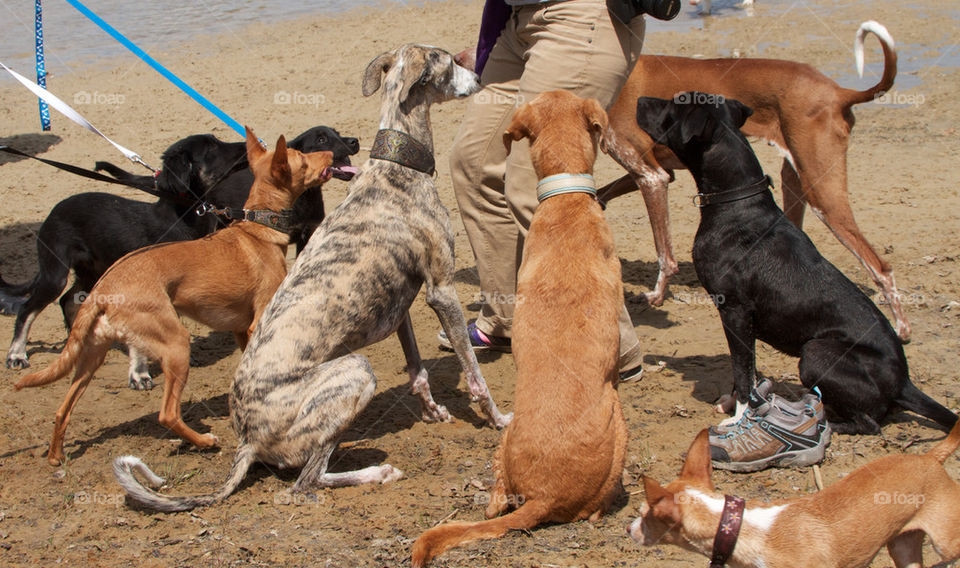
727	531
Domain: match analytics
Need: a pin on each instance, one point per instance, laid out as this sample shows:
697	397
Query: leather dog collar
755	188
399	147
277	220
727	531
565	183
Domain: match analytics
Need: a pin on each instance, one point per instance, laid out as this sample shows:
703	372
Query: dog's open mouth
344	171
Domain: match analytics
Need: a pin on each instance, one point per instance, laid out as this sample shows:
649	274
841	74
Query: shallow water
70	38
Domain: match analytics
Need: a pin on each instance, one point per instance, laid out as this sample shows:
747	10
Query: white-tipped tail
133	463
877	29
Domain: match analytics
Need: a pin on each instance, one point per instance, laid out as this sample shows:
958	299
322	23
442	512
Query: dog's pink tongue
345	172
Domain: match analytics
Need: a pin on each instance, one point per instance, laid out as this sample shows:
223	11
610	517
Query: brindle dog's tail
124	466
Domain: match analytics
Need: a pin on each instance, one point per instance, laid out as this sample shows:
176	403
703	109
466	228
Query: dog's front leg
419	385
742	344
653	186
444	301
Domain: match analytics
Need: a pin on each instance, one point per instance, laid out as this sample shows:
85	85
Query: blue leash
159	68
41	69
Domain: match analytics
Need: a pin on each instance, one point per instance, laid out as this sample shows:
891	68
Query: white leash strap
73	115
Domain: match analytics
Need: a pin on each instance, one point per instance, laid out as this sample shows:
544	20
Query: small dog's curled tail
438	539
948	445
83	336
889	62
125	466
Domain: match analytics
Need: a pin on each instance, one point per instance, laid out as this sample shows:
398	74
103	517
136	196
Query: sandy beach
282	78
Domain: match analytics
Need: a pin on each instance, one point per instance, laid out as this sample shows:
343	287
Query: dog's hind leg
52	280
90	360
419	385
330	398
906	549
824	179
842	371
443	300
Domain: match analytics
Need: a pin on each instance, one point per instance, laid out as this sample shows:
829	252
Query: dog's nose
354	145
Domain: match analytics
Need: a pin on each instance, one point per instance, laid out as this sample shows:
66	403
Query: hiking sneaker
773	432
758	396
479	340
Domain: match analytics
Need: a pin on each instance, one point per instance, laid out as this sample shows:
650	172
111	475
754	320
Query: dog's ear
410	77
596	118
518	126
280	165
254	149
375	70
662	502
694	125
697	467
654	117
739	112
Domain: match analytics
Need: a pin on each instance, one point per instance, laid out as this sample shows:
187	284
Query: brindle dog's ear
409	76
375	70
518	126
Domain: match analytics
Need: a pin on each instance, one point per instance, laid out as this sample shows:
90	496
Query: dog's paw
655	298
141	381
208	441
725	404
436	413
17	361
503	421
389	473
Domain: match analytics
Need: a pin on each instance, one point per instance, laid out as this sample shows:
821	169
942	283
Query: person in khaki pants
576	45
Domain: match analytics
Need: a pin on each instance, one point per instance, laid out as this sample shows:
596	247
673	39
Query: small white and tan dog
892	501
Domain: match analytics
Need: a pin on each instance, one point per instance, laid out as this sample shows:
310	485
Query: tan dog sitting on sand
892	501
562	457
223	281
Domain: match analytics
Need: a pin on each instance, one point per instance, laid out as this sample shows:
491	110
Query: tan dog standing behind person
562	457
222	281
804	113
892	501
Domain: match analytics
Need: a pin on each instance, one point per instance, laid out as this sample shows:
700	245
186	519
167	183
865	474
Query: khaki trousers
571	45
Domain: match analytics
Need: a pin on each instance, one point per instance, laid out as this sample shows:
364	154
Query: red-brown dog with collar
223	281
893	501
562	457
807	115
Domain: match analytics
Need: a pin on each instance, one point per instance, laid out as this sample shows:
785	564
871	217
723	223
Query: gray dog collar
566	183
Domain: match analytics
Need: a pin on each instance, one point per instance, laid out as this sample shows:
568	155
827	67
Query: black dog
770	283
88	232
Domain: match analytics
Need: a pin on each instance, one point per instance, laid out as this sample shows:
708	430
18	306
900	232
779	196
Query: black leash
279	221
76	170
203	207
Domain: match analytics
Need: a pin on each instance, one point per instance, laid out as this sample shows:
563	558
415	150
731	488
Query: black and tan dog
299	386
775	285
223	281
88	232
